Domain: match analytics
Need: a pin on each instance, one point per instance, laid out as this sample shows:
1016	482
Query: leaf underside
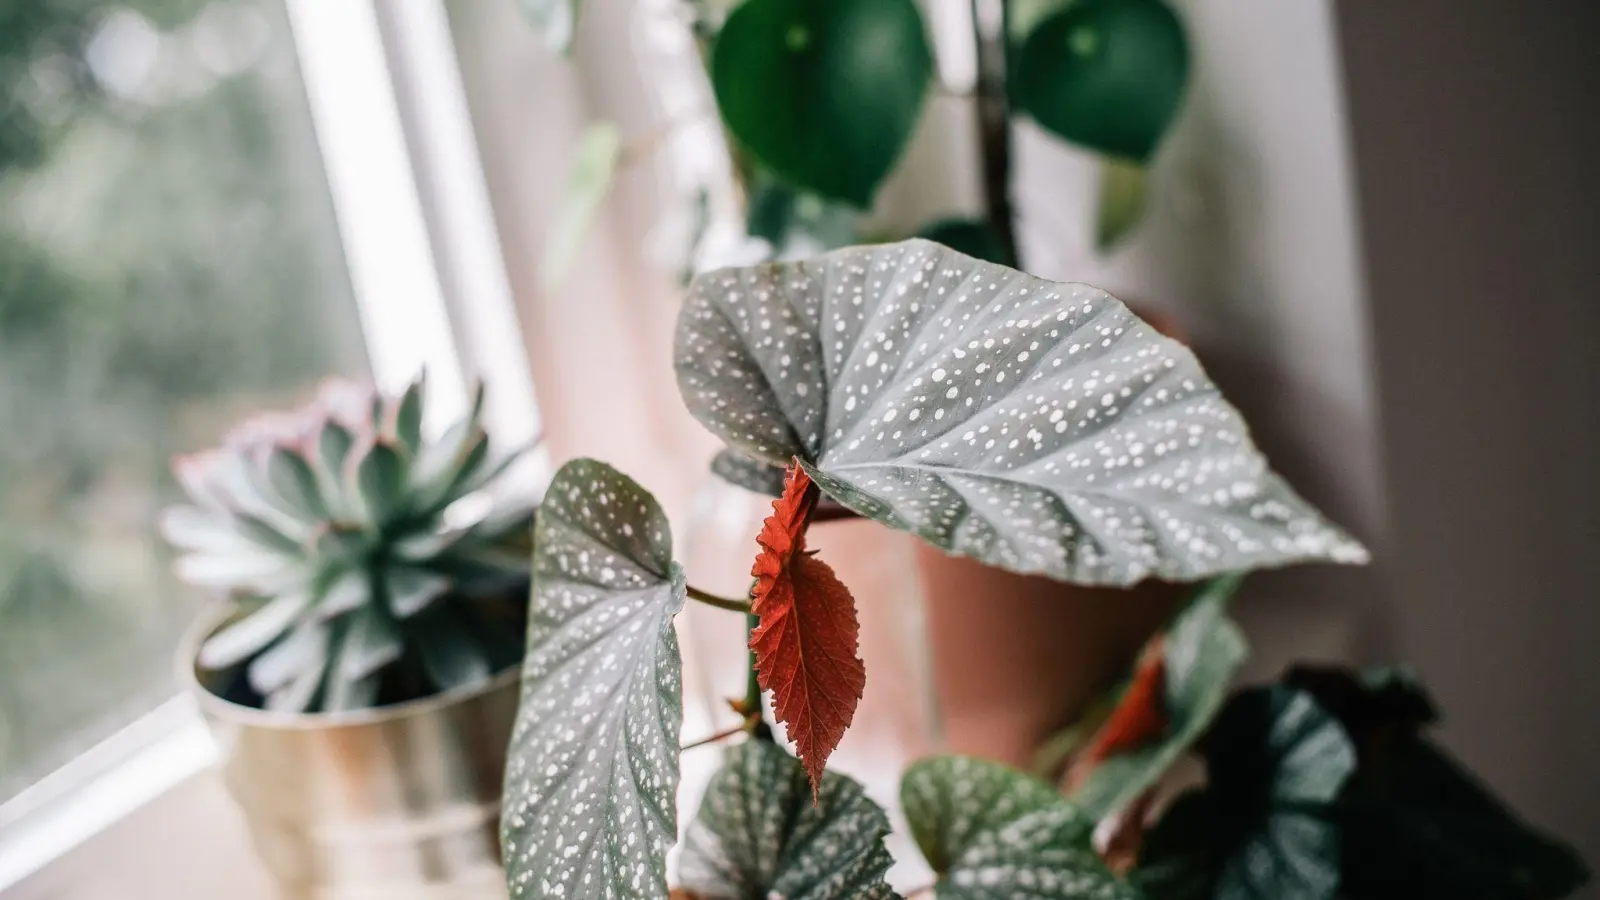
805	644
759	834
1202	650
592	775
1035	426
992	832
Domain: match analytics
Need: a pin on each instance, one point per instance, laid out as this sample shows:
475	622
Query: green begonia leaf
1109	75
594	167
1035	426
759	835
554	20
993	833
825	93
1202	651
1265	825
592	774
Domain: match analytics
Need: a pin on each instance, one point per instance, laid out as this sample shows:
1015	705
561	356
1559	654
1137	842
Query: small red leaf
805	646
1139	719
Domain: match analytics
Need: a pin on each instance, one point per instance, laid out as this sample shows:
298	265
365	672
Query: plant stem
752	689
719	602
991	32
723	735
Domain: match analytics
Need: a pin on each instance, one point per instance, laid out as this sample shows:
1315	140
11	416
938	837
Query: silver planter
400	802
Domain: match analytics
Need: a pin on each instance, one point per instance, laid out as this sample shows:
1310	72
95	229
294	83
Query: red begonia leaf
1139	719
805	644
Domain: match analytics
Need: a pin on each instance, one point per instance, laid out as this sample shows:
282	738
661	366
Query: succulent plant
368	560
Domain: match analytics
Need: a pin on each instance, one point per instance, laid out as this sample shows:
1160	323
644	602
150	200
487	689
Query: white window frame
430	284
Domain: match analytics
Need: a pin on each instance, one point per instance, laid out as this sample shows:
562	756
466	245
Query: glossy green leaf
825	93
759	834
1123	188
974	237
991	833
1266	824
1035	426
554	20
595	165
592	775
1109	75
1202	651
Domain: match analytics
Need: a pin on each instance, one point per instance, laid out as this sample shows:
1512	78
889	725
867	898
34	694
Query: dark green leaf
452	655
1038	427
1265	825
1419	826
991	832
1106	74
1123	186
408	417
592	777
294	482
825	93
381	479
758	834
974	237
252	632
1202	651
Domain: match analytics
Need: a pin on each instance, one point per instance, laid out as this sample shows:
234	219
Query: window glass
168	263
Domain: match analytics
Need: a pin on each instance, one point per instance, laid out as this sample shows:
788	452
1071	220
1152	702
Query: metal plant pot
400	802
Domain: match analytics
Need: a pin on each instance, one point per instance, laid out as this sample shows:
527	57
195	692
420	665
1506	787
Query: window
168	262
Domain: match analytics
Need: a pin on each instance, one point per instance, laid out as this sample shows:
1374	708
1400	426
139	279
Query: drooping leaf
1417	825
1201	652
974	237
825	93
759	834
592	774
1121	202
554	20
1109	75
806	645
1035	426
599	151
1266	824
991	832
750	474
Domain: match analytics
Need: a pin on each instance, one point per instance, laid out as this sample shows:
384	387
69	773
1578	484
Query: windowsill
189	843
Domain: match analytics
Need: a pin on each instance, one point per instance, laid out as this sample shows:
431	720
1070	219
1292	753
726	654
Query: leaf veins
806	643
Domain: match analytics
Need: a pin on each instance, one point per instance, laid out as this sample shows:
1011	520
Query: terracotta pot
1016	658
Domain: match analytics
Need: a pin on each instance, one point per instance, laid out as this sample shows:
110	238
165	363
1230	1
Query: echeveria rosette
759	833
1036	426
592	772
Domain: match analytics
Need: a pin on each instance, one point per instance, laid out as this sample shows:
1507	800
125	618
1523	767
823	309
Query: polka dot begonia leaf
750	474
592	774
759	835
1035	426
992	832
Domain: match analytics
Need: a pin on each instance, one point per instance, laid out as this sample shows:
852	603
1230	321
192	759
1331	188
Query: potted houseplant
818	101
1038	427
359	674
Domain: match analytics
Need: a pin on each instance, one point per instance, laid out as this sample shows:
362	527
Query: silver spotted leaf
758	834
1202	650
592	773
992	832
750	474
1036	426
